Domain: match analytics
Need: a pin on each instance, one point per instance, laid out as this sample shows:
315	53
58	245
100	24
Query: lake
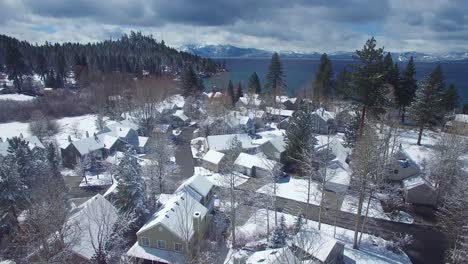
300	72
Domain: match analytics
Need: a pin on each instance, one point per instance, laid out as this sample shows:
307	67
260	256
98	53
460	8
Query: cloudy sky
434	26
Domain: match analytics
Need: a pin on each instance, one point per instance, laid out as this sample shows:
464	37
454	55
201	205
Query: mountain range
229	51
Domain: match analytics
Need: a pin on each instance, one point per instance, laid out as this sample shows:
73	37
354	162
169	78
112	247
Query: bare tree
41	126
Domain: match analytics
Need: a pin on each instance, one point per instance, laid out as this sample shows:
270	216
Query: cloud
300	25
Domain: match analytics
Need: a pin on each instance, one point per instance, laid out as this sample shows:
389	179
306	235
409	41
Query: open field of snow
16	97
294	189
372	248
93	180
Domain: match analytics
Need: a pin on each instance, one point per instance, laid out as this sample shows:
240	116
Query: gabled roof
92	143
249	161
123	123
280	112
176	215
142	141
325	115
223	142
278	143
283	99
180	114
197	183
416	181
213	156
234	119
155	254
86	219
33	142
273	256
315	244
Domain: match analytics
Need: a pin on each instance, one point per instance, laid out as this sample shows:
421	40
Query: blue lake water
300	72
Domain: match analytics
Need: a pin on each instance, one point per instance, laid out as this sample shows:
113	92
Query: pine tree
53	159
131	187
450	98
351	130
279	234
323	81
231	94
191	85
465	109
254	84
299	133
15	65
369	80
275	78
406	88
427	104
239	93
343	84
14	194
298	223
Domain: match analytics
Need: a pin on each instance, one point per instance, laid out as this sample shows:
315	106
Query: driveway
183	154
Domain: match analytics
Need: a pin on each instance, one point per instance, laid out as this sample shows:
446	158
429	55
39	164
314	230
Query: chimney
196	222
87	134
69	139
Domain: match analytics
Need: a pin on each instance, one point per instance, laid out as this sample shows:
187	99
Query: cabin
310	246
212	160
289	103
417	190
274	148
401	167
255	166
338	176
322	121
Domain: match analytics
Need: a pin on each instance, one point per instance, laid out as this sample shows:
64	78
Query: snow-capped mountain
229	51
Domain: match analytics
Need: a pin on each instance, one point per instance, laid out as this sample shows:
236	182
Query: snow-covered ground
219	179
294	189
93	180
372	249
16	97
13	129
375	210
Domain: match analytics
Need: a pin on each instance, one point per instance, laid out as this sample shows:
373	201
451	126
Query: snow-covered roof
278	143
235	119
161	128
198	183
325	115
176	215
461	118
92	143
337	172
280	112
33	142
16	97
142	141
249	161
155	254
314	243
256	114
273	256
223	142
250	100
213	156
416	181
283	99
87	220
180	114
114	125
213	94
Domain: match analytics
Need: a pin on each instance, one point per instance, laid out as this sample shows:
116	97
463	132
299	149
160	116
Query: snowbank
17	97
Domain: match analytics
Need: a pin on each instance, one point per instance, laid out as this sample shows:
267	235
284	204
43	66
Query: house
171	232
255	166
249	101
290	103
273	256
125	131
338	176
98	146
199	147
200	188
179	119
417	190
284	124
274	148
343	119
232	122
212	160
258	117
401	167
88	222
143	144
33	143
223	143
276	113
310	246
322	121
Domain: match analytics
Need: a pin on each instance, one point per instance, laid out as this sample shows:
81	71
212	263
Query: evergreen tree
343	84
323	81
191	85
299	133
298	223
406	88
239	93
254	84
41	65
131	187
450	98
231	94
14	194
53	160
427	104
275	79
279	234
436	78
465	109
15	66
351	129
369	80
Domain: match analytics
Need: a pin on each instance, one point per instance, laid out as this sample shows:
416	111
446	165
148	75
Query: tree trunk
358	216
363	119
421	127
365	217
403	115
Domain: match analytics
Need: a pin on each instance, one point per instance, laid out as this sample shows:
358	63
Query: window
145	241
178	247
395	172
162	244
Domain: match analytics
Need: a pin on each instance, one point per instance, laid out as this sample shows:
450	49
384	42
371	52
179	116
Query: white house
212	160
254	166
418	190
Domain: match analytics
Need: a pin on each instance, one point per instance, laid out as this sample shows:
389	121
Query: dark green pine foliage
344	85
426	107
406	88
299	133
254	84
369	80
465	109
191	84
275	78
298	223
53	159
280	234
352	128
15	65
231	93
239	93
130	195
323	83
450	98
